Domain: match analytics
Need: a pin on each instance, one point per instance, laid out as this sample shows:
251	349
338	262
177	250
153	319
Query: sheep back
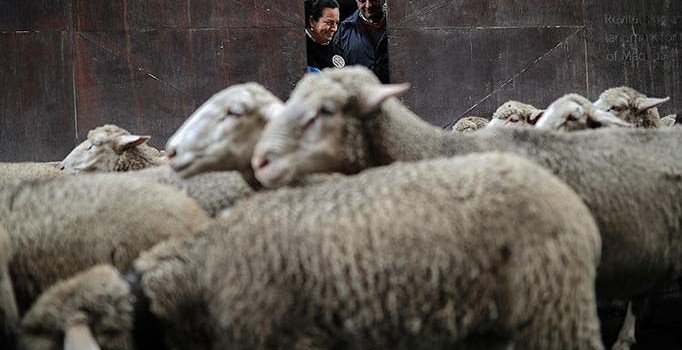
213	191
443	251
62	226
28	171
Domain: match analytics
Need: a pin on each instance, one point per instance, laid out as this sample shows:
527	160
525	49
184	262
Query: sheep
9	318
515	114
10	172
354	263
632	106
345	121
671	120
223	132
469	124
61	226
574	112
112	148
213	191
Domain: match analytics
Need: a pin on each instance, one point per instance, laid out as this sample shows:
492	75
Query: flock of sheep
340	219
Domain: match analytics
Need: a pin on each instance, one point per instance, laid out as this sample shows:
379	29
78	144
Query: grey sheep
354	263
515	114
213	191
574	112
112	148
469	124
226	127
670	120
10	172
631	179
9	318
632	106
61	226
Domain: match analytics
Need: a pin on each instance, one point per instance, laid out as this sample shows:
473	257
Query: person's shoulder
352	19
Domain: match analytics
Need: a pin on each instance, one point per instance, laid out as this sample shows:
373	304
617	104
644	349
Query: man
322	20
363	40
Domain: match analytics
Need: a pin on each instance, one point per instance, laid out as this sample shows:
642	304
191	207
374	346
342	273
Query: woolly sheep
351	123
632	106
354	264
221	134
10	172
469	124
111	148
9	318
515	114
574	112
671	120
213	191
61	226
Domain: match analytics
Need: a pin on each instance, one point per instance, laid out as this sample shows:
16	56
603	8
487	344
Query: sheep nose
259	163
171	153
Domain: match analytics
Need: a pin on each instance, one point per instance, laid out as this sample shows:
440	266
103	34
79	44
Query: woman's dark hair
314	8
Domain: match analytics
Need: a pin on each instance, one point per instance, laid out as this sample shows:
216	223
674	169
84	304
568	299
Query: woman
322	21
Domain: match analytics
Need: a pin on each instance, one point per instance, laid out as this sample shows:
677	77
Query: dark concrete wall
466	57
67	66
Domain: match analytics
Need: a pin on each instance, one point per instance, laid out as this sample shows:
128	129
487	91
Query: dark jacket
320	56
357	47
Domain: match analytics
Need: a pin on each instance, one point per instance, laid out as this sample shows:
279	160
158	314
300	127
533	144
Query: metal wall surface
466	57
70	65
67	66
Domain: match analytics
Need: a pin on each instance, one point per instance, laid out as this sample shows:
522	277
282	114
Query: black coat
320	56
357	47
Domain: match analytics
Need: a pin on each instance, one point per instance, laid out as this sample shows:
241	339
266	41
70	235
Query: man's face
324	28
371	9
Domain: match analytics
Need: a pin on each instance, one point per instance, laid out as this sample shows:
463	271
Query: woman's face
323	29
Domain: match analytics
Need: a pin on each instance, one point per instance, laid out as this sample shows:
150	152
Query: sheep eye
615	109
236	111
327	110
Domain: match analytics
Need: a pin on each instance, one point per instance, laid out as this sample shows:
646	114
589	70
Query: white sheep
515	114
227	126
632	106
469	124
344	120
574	112
61	226
354	263
112	148
10	172
670	120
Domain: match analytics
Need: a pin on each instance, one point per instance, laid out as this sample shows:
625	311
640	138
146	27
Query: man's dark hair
314	8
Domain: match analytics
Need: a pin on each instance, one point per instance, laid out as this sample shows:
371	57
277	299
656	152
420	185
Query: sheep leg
626	336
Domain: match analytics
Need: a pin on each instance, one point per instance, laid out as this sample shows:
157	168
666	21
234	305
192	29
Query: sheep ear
608	119
645	103
78	337
535	116
124	142
372	98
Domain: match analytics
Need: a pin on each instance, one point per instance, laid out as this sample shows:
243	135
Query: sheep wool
61	226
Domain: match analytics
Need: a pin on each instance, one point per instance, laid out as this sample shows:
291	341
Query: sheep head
469	124
221	133
320	127
515	114
97	299
102	150
575	112
632	106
